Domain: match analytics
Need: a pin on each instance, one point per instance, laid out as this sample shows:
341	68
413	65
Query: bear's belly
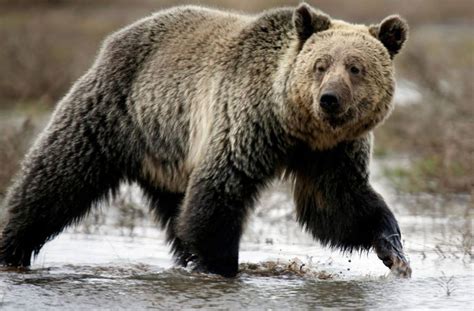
170	176
174	154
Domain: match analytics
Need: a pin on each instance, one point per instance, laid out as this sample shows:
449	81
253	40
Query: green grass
426	174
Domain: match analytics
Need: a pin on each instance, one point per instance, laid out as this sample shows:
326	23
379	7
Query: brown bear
203	108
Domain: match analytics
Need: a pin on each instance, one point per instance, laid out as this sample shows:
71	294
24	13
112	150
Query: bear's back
172	91
182	56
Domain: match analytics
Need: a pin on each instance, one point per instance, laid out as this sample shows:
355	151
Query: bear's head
341	82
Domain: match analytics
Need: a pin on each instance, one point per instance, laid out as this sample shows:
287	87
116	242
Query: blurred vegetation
47	44
437	129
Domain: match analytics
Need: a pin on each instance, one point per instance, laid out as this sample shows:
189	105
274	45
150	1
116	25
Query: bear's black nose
329	102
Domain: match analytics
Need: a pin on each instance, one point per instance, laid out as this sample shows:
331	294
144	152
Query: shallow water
106	266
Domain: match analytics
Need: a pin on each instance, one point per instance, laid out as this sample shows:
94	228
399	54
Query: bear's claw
401	268
389	249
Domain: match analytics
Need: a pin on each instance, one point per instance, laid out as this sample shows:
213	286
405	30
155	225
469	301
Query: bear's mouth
338	120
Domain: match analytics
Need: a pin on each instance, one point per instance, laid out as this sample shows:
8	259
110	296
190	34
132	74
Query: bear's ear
308	21
392	32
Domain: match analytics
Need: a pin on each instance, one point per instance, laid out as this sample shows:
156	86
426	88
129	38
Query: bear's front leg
336	203
216	204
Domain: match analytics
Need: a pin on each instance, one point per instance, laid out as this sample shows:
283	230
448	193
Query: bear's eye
355	70
321	68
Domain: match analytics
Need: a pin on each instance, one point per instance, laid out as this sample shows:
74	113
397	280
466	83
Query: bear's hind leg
64	174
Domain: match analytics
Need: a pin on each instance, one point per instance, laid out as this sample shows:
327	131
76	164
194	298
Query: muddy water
118	260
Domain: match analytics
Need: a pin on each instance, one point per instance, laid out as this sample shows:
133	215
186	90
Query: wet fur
201	133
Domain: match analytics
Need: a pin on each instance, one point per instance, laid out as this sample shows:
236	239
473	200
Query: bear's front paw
400	267
389	250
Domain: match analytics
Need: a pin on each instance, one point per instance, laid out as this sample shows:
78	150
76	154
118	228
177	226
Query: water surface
116	261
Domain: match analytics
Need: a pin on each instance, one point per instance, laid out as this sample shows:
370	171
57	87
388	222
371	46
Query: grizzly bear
202	109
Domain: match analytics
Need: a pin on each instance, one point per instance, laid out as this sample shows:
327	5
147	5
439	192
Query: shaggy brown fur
202	108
